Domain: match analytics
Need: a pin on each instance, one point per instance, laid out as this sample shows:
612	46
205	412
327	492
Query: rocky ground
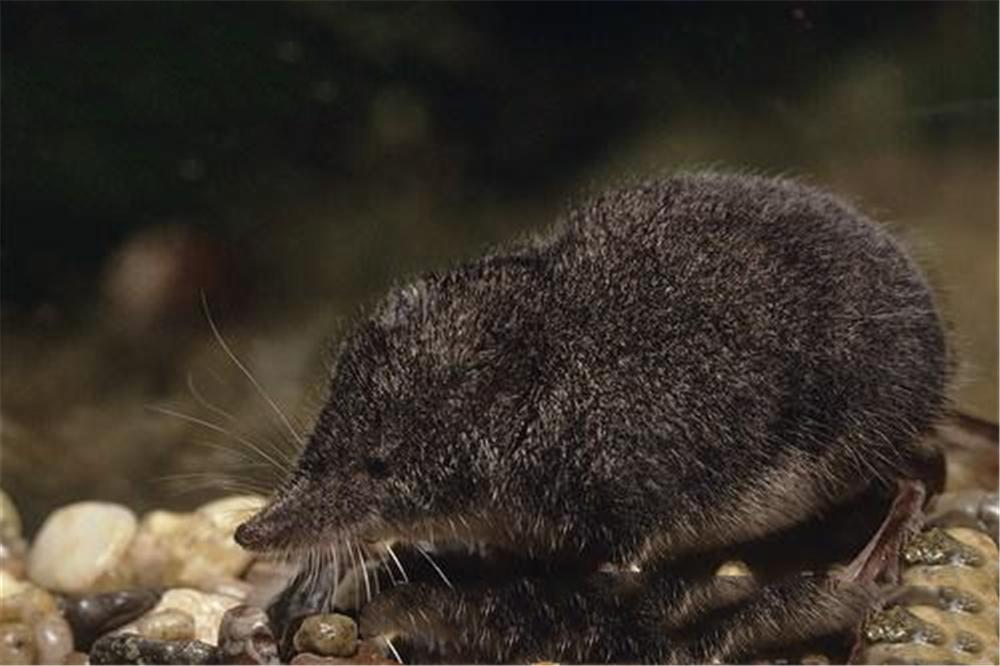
100	585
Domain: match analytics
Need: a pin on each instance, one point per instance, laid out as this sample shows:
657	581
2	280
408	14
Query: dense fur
678	366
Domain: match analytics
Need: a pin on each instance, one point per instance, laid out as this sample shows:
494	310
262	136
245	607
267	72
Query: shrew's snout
271	528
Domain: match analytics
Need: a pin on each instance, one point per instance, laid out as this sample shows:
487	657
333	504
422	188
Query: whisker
205	403
364	571
434	564
399	564
357	591
392	648
336	570
388	567
367	554
260	390
284	467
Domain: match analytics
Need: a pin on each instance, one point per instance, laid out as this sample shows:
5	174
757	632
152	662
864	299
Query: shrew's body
678	366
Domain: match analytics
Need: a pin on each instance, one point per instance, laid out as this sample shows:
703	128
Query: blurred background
290	161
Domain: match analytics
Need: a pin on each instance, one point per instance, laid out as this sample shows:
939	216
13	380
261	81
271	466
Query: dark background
291	160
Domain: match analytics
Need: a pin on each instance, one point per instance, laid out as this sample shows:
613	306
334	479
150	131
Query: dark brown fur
679	366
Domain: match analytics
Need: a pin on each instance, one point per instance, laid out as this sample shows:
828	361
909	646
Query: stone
733	568
13	548
166	625
368	654
134	649
17	644
92	616
10	519
245	637
205	609
53	639
24	602
80	548
192	549
327	634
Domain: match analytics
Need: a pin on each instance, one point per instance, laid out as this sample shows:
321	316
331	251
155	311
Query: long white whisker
260	390
388	567
217	428
364	571
434	564
392	648
399	564
204	402
336	570
357	591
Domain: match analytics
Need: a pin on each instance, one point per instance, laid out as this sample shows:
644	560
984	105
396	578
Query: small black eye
376	468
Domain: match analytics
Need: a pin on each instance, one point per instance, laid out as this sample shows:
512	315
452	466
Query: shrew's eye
376	467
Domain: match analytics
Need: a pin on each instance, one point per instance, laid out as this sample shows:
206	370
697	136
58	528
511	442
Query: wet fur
678	366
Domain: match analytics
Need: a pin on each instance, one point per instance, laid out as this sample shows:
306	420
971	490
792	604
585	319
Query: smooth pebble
80	547
166	625
93	616
192	549
327	634
53	639
206	610
17	645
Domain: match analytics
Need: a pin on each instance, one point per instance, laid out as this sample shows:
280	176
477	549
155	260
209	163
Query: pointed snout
272	528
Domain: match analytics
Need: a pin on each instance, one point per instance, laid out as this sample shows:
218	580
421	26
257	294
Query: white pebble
80	546
206	610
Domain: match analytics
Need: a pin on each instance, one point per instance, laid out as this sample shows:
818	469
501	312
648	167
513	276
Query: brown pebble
368	654
53	639
327	634
17	646
171	624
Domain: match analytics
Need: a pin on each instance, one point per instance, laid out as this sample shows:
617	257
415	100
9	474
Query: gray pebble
17	646
328	634
245	637
94	616
53	639
134	649
76	659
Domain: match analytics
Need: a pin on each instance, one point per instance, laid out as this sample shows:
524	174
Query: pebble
80	548
17	645
53	639
13	549
192	549
327	634
93	616
245	637
135	649
205	609
24	602
166	625
733	568
368	654
10	519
